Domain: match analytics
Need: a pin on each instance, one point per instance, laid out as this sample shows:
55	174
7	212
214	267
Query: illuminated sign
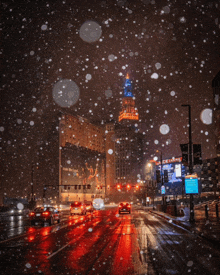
178	170
191	184
173	174
168	160
128	116
163	190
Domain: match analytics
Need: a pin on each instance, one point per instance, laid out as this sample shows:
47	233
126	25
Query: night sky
169	48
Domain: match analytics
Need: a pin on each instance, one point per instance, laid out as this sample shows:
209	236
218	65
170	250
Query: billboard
174	177
82	167
191	185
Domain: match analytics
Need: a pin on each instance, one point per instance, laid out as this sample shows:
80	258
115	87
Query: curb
190	228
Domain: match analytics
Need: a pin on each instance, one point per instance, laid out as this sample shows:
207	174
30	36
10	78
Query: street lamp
149	181
191	219
161	174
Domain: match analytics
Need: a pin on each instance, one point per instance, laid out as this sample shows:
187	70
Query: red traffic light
137	187
119	186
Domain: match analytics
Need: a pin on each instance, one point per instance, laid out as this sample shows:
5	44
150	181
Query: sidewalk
206	228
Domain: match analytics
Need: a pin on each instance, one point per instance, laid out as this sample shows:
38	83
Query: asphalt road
105	243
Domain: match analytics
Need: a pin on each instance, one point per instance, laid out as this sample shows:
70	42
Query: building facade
216	120
81	160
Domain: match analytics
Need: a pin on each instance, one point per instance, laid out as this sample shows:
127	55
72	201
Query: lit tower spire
129	111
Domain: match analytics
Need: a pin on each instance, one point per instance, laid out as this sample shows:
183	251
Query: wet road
106	243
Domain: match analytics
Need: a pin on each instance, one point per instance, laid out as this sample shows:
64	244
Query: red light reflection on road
31	230
45	231
123	255
31	238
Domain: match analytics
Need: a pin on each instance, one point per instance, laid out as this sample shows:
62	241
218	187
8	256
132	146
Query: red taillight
46	213
120	206
81	207
129	205
32	214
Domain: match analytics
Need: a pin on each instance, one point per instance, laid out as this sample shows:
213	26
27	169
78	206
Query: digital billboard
82	166
191	185
175	174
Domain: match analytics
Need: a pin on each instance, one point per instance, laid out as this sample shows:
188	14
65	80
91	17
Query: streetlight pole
32	182
191	219
161	174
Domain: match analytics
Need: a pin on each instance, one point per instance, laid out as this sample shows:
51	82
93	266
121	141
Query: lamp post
32	182
161	174
190	164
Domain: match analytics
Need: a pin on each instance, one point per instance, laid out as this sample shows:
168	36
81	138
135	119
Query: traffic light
197	154
128	187
158	176
185	150
119	186
137	187
165	176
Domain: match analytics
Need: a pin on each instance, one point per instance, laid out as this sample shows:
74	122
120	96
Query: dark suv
124	207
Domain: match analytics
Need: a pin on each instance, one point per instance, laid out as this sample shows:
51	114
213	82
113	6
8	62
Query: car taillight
46	213
81	207
129	205
32	214
120	206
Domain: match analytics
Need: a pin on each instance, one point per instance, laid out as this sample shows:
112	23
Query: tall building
129	112
128	141
81	159
216	119
216	111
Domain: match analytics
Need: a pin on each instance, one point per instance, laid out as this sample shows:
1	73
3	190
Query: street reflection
123	255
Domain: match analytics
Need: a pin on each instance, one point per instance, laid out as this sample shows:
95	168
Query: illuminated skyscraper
128	141
129	112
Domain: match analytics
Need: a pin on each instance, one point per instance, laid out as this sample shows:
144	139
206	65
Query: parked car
77	208
124	207
45	214
89	206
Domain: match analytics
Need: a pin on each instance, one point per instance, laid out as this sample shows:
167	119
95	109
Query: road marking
74	240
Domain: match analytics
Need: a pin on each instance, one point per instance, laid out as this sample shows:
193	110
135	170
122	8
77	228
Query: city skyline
170	50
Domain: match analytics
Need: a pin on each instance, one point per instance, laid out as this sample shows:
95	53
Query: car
44	214
13	211
124	207
77	208
89	206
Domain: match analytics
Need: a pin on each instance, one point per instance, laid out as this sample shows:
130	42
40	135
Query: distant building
128	155
81	160
210	175
128	141
216	111
93	159
216	120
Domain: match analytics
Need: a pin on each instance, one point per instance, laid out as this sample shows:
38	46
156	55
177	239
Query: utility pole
161	175
190	164
32	182
161	172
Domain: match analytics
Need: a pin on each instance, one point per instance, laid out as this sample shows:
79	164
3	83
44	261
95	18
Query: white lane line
11	239
60	249
53	254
